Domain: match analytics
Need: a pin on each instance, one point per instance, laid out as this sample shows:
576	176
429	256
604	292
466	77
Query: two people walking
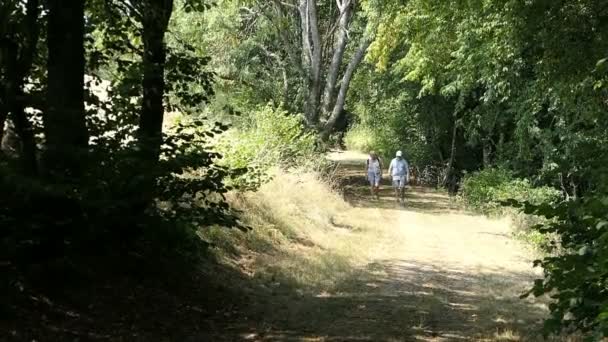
398	170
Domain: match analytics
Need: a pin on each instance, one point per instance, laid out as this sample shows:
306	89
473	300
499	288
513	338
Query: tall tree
311	48
155	15
65	126
311	55
339	101
345	13
18	49
338	29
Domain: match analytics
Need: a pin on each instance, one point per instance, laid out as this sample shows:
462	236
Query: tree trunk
487	153
450	165
311	57
22	124
305	32
316	63
64	121
336	61
17	58
156	15
306	57
8	62
285	87
500	149
341	98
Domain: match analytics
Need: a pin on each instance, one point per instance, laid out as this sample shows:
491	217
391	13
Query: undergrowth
268	137
488	192
301	233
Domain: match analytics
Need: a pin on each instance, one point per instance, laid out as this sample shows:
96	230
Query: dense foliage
299	54
523	84
486	191
91	169
269	138
506	100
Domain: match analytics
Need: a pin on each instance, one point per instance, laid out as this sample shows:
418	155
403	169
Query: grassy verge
302	237
486	191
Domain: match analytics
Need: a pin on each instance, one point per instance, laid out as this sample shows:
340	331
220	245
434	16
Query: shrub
122	203
270	137
360	138
386	141
576	278
485	191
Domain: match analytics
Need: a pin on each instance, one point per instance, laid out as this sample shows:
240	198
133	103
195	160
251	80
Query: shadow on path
401	300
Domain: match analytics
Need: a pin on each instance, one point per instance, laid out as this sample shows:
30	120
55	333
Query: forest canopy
114	117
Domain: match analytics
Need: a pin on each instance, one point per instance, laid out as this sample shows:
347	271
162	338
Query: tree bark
156	15
450	165
22	124
17	58
8	62
306	57
336	61
64	121
501	146
305	33
486	153
341	98
311	58
285	87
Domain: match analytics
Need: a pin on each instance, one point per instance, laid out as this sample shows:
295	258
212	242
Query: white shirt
399	167
373	165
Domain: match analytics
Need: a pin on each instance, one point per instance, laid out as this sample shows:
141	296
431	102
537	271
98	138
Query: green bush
359	138
576	278
386	141
485	191
122	203
270	137
364	139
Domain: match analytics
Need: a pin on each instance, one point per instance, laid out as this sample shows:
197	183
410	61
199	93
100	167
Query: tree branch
336	62
348	75
286	4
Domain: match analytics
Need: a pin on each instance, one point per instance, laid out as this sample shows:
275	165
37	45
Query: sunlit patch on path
434	273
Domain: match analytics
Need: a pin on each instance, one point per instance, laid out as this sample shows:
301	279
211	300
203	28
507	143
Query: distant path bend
460	274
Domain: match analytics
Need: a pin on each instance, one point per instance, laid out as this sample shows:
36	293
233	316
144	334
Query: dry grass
304	231
369	270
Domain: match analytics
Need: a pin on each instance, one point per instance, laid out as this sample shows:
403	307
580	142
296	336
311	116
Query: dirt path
436	274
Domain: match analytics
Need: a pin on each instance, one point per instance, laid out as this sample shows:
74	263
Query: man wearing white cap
400	173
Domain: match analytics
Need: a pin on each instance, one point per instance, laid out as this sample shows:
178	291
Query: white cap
399	154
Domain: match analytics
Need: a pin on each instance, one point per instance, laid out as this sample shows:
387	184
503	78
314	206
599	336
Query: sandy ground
464	272
436	273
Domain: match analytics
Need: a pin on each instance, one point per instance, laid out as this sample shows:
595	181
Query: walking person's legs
399	188
377	187
372	182
396	184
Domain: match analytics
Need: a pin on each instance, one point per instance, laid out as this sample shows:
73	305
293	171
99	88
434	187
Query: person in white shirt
400	173
373	169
